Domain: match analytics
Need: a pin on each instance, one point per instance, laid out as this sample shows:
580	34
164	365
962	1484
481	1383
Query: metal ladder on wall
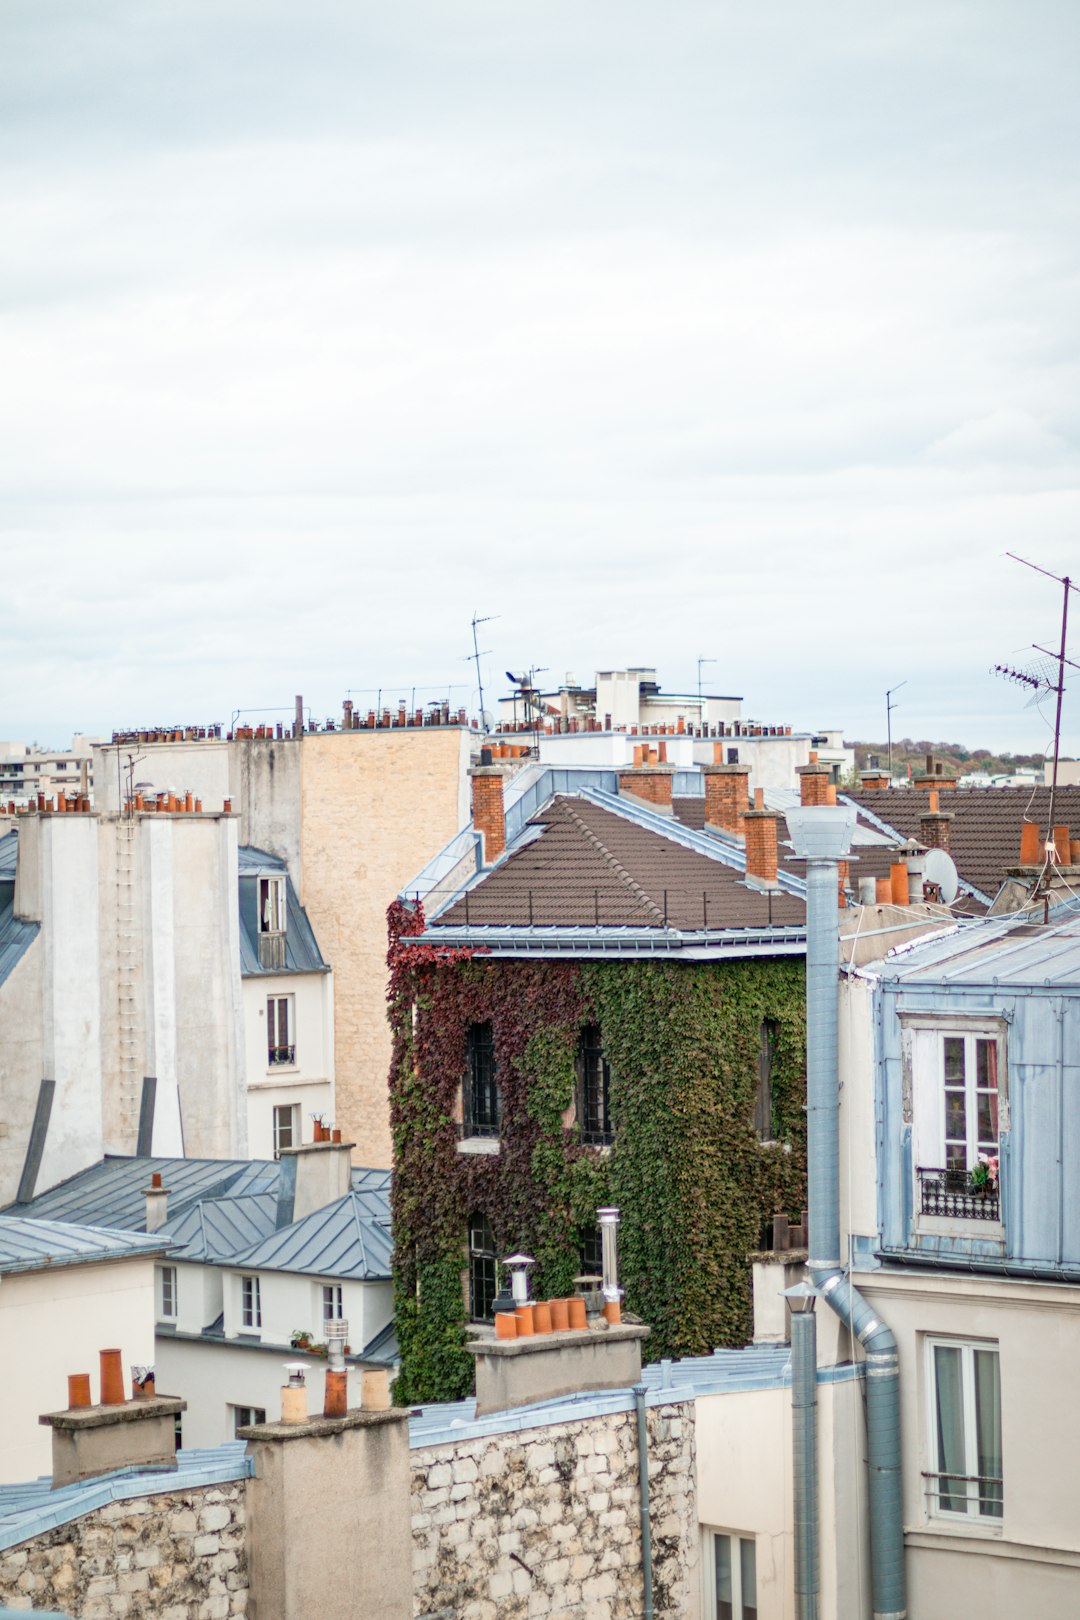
127	961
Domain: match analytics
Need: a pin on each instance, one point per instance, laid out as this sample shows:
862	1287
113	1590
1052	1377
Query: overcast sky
655	330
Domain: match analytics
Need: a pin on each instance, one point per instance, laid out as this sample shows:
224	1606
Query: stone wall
546	1522
177	1556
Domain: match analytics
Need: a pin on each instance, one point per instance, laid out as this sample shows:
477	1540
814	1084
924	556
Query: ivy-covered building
594	1000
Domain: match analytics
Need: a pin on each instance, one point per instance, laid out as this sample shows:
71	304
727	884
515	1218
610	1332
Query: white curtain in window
988	1431
949	1384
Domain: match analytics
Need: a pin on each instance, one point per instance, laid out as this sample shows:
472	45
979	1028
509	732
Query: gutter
584	941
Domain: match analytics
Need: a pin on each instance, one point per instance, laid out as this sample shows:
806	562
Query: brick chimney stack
651	783
726	797
815	781
761	847
487	810
935	828
875	780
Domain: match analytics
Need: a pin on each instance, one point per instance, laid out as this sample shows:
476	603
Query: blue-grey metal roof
112	1193
1015	951
557	941
302	954
9	853
218	1228
31	1509
27	1244
725	1372
349	1238
383	1350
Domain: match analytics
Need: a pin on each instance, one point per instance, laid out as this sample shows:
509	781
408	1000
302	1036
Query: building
27	770
607	1009
351	811
288	1007
253	1258
964	1233
66	1290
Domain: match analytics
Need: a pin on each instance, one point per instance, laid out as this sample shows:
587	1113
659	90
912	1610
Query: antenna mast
475	657
889	707
1060	659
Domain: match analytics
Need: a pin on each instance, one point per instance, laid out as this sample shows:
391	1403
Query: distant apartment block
26	769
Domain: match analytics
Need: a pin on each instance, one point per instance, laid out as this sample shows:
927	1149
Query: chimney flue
487	810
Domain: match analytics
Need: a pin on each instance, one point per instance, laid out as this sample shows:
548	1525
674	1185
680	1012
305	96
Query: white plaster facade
305	1085
53	1321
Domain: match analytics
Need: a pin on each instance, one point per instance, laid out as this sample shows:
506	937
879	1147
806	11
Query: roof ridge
645	901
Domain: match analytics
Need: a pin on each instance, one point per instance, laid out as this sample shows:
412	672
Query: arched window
480	1099
483	1269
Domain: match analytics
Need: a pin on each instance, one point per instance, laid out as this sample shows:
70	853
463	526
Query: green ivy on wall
693	1182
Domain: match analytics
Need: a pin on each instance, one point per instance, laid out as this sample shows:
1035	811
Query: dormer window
272	914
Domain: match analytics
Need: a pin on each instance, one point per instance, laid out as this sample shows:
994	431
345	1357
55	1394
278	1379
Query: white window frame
923	1039
273	909
708	1566
246	1416
273	1026
333	1303
250	1301
971	1515
168	1293
293	1111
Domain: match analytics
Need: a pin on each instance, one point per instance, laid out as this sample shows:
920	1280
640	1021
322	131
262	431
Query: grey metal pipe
643	1481
804	1431
823	1160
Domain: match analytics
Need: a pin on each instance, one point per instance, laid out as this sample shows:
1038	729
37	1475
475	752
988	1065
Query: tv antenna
700	662
1037	678
889	707
475	657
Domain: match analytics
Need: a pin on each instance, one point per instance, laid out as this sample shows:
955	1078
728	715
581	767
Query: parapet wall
180	1555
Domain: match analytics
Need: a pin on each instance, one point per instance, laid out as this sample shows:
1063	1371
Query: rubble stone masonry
547	1523
177	1556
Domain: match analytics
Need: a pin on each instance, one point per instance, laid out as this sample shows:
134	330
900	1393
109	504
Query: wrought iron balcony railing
272	951
282	1054
471	1127
955	1194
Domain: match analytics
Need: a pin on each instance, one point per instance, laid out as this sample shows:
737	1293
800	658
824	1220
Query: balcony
281	1055
959	1195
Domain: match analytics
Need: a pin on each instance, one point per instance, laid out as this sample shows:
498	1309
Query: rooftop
302	954
27	1244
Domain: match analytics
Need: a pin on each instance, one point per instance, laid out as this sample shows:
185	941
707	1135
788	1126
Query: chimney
761	848
935	828
726	797
652	784
1030	844
874	781
157	1203
487	810
1062	845
323	1174
117	1433
814	783
898	883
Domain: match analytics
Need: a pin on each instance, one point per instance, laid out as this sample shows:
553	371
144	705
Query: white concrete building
27	770
252	1260
66	1292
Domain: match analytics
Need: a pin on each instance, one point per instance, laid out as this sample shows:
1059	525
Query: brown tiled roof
985	832
591	865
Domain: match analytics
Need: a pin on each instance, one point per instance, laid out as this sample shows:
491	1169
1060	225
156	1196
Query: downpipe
804	1436
889	1601
643	1482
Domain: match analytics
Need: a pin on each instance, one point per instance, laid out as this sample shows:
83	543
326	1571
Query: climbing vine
692	1179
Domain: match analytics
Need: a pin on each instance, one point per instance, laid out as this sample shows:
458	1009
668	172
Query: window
763	1108
730	1568
960	1112
272	905
286	1127
280	1031
966	1479
333	1304
245	1416
250	1302
272	914
481	1093
591	1246
483	1269
168	1291
594	1089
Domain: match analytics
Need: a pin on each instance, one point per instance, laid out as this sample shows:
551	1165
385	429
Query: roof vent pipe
609	1229
823	835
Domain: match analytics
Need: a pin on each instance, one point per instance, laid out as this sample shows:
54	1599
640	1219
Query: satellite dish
940	869
486	719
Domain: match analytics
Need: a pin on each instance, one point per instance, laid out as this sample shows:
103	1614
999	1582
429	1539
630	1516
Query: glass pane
988	1427
955	1117
748	1569
949	1394
954	1060
725	1603
987	1119
956	1161
986	1064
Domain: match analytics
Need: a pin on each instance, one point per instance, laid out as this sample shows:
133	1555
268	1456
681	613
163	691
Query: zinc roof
217	1228
349	1238
112	1193
27	1244
302	954
581	863
1010	952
